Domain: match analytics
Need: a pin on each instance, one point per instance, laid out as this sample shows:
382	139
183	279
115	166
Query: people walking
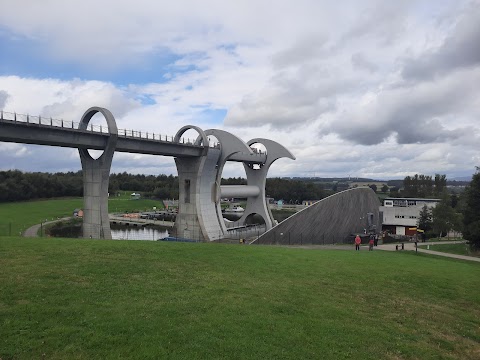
371	242
358	241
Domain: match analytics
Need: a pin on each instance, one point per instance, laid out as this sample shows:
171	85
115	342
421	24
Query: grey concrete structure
200	213
46	131
199	165
40	131
257	176
196	218
96	175
331	220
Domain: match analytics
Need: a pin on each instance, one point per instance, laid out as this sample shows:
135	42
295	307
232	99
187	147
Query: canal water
138	233
154	233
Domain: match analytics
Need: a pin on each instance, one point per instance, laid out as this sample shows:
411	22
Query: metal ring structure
230	144
257	177
112	130
201	140
275	150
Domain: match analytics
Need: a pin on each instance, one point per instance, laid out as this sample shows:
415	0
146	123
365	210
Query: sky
373	88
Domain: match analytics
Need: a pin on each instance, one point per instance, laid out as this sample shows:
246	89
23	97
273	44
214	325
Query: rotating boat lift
200	194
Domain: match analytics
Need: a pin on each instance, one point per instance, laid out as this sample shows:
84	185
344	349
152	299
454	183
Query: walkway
422	248
32	231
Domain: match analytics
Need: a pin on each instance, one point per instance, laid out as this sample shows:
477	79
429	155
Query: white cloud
3	98
367	88
415	113
64	99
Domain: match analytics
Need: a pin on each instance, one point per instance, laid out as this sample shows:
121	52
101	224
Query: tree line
471	212
460	213
421	186
16	185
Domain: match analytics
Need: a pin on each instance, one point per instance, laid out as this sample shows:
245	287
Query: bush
71	228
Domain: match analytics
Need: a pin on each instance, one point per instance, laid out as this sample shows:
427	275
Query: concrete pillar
96	175
196	218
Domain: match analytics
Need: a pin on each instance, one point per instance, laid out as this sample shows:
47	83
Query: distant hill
459	181
337	179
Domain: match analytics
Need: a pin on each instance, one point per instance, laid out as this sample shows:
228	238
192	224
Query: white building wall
406	215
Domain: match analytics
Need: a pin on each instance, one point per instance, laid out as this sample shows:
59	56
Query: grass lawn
17	217
119	205
92	299
21	215
460	249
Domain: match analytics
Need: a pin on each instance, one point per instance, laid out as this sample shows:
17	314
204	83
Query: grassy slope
22	215
83	299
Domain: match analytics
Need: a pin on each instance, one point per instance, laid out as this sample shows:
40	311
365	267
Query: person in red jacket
358	241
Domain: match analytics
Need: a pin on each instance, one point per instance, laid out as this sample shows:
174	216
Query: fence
294	238
66	124
6	229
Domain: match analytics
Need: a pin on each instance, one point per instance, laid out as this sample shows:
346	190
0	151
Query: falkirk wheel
200	191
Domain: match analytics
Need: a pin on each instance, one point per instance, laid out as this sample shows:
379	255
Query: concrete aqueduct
199	168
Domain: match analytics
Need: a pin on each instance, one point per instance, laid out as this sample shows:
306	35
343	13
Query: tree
444	217
453	200
422	186
440	183
471	212
373	187
394	191
385	188
425	219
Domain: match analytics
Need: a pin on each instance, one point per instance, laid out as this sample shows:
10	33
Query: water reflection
138	233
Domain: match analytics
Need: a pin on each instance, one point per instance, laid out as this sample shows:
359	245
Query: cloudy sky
372	88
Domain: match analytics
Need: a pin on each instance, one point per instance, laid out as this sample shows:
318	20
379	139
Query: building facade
400	215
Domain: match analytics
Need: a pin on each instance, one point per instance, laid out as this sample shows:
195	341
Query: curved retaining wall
331	220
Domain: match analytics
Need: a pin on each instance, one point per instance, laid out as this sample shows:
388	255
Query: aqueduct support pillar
96	174
196	218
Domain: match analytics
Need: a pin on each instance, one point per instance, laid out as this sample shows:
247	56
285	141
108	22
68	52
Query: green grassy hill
87	299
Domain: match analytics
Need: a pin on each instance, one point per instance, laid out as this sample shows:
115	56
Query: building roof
413	199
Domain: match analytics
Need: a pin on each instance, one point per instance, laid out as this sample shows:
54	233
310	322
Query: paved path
320	247
32	231
422	248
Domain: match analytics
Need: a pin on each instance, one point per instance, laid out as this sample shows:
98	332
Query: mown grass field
92	299
17	217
